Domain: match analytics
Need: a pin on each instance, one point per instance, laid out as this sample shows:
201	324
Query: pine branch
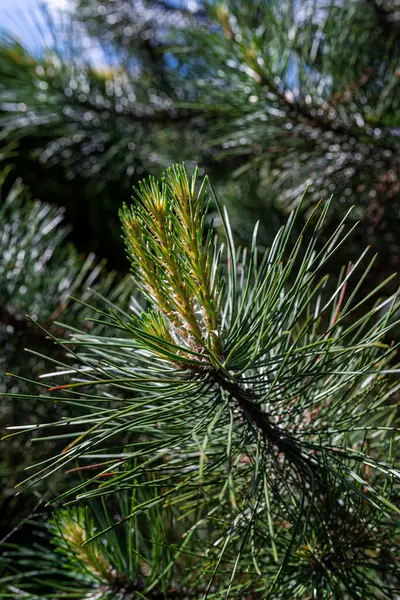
253	396
143	558
276	73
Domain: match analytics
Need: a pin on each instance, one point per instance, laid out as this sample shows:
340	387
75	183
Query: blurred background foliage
39	272
267	97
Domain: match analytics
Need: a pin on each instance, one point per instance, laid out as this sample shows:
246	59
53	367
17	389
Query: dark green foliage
277	96
307	94
39	272
96	129
259	409
138	559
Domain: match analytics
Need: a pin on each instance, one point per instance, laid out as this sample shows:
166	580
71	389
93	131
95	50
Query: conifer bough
260	401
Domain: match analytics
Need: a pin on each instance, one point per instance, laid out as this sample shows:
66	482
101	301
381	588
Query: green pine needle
260	400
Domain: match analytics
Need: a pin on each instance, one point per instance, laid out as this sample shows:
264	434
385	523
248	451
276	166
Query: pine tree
231	435
240	416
